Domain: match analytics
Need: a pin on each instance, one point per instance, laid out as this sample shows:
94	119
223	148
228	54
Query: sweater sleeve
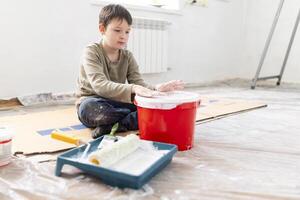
100	83
133	74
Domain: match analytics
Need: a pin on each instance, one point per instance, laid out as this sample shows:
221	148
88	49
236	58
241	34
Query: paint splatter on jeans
100	112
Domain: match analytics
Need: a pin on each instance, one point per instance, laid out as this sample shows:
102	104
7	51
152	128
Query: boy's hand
145	92
170	86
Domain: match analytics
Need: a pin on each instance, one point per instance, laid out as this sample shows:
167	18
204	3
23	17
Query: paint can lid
5	133
168	101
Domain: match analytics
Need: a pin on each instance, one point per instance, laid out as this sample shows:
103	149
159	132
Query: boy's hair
114	11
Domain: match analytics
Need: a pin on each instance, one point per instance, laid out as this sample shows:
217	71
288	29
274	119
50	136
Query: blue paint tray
117	177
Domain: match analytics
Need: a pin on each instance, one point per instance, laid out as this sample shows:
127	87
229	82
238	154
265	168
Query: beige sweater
113	80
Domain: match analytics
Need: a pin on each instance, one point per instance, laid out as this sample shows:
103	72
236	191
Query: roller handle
65	138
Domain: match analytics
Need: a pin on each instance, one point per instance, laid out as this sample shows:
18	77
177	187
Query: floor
251	155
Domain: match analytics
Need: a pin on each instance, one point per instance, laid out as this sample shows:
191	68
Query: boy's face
115	34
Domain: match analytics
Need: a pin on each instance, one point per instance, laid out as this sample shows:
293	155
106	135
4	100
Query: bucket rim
169	101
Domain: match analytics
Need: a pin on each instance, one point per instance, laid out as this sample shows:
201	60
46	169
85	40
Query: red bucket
169	119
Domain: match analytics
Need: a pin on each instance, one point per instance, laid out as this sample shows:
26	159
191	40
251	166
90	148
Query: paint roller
114	152
109	152
70	139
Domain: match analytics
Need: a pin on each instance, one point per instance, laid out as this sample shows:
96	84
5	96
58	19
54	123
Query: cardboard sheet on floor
214	108
32	131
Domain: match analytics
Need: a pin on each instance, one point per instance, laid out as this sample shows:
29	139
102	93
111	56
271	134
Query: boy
104	96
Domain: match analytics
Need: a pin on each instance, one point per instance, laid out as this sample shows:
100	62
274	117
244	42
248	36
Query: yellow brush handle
65	138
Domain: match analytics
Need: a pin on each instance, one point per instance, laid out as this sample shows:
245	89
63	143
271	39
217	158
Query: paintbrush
110	138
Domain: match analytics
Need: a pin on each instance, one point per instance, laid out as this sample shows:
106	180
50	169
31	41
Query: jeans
97	111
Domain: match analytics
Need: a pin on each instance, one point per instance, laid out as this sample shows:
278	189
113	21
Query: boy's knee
89	110
92	106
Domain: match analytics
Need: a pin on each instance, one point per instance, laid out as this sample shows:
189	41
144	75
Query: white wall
203	42
41	43
260	15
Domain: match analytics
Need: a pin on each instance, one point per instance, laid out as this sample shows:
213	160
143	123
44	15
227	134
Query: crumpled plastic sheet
210	170
22	179
47	99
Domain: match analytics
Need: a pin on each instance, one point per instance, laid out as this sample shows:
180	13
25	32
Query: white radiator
148	42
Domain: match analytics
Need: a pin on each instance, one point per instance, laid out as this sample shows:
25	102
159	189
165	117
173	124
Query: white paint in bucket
5	145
